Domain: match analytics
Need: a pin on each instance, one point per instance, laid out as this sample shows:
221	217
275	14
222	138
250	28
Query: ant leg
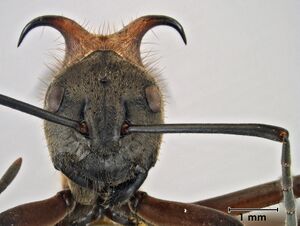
257	197
10	174
41	213
161	212
259	130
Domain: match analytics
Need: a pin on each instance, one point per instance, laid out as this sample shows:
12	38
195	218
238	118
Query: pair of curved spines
125	42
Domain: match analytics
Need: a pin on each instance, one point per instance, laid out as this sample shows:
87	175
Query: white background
241	64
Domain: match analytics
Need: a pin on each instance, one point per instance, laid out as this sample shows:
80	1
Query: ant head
104	85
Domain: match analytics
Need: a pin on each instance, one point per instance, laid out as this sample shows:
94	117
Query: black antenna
259	130
40	113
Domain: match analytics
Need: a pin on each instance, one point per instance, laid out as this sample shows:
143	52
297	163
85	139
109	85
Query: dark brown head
104	84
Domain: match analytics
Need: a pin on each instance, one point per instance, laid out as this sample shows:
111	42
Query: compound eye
153	97
54	98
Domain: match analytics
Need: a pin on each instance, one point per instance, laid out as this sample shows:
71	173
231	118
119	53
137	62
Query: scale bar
230	209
